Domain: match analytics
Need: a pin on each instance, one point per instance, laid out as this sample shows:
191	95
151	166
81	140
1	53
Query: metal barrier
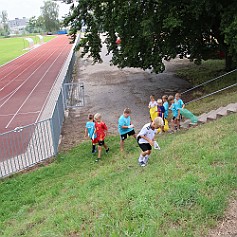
229	80
26	146
74	95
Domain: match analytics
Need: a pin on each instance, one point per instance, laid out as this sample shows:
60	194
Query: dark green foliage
156	29
49	12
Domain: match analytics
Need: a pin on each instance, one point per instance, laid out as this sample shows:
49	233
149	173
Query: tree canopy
50	12
153	30
36	25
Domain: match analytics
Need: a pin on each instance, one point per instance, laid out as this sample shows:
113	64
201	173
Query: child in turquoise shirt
90	131
175	112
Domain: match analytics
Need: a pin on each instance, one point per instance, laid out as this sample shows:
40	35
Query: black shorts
145	146
101	143
125	136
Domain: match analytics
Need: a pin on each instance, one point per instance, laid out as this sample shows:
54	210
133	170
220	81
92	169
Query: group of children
96	129
160	108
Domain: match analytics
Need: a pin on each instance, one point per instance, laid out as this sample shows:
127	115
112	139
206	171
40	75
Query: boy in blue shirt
166	106
125	127
175	113
179	101
90	131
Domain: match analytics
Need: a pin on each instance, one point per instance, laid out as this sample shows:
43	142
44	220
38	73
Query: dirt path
227	226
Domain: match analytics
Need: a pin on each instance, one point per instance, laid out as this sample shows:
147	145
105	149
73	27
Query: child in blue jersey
179	101
125	127
175	113
90	131
166	106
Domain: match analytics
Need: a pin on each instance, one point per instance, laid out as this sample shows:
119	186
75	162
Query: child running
175	112
125	127
90	131
166	113
145	139
153	107
101	132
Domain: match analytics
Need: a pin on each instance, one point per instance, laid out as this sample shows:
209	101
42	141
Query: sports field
11	48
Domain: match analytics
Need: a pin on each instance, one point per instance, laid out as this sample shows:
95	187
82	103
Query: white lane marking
29	52
11	81
15	79
26	113
26	80
34	88
21	64
51	89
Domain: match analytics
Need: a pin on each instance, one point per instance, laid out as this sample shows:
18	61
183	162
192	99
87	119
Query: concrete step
185	124
211	115
222	112
232	108
202	118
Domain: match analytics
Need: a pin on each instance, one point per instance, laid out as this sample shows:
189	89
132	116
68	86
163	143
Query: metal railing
75	94
28	145
229	80
25	147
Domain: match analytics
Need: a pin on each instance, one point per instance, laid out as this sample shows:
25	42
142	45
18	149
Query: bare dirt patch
227	226
108	90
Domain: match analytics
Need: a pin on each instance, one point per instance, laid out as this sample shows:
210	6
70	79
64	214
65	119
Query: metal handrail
205	96
206	82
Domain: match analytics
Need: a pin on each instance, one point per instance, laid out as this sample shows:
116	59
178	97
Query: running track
26	82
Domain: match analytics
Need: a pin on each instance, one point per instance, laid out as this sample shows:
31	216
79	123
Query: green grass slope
182	192
11	48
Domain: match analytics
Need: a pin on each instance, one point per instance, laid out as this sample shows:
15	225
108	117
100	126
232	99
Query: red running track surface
26	82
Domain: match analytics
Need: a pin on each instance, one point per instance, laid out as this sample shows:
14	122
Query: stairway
212	115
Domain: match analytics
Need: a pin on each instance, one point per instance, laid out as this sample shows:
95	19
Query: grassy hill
182	192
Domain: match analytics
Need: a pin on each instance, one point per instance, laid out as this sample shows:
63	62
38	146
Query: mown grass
182	192
197	74
11	48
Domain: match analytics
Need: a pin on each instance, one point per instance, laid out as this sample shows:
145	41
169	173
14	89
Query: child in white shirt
146	138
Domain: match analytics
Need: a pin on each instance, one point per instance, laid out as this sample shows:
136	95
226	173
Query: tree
36	25
31	26
40	24
4	21
50	12
154	30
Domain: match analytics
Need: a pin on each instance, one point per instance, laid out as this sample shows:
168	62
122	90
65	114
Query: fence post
63	97
53	138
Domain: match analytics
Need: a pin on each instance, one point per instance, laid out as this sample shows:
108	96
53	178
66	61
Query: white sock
145	160
140	159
